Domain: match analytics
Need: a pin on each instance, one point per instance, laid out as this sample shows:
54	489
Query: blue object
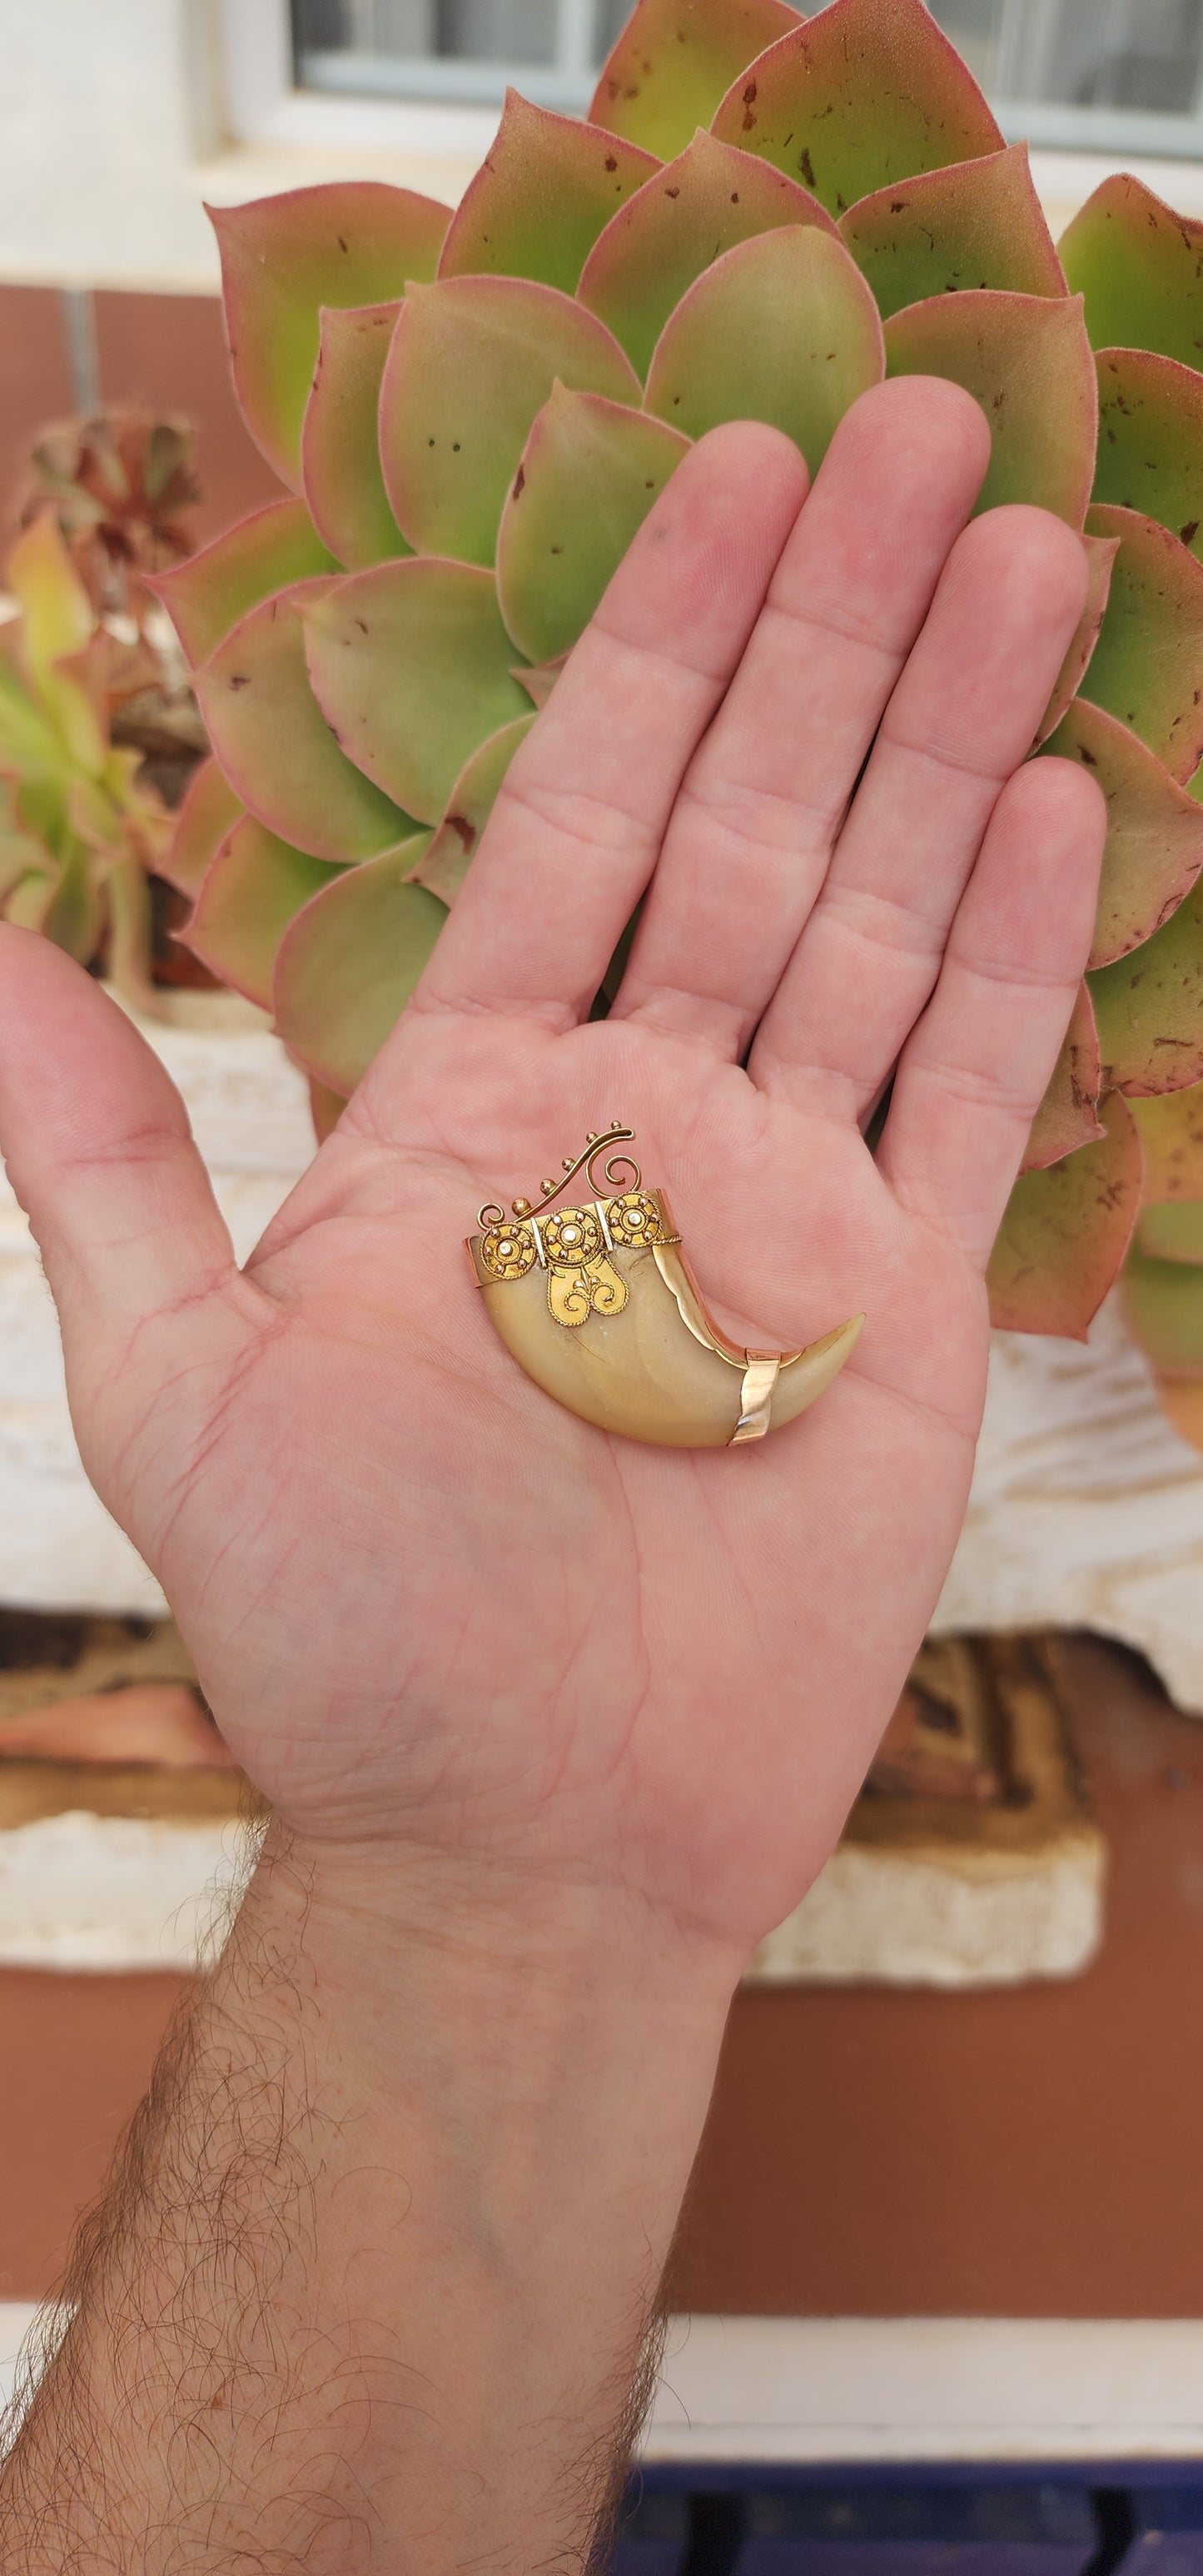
653	2537
1168	2532
918	2531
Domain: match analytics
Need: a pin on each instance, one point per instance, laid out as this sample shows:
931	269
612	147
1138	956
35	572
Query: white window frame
453	107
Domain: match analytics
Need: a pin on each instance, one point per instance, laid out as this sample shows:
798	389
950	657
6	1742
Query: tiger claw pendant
600	1307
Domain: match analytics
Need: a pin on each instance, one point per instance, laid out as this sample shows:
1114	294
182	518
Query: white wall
117	117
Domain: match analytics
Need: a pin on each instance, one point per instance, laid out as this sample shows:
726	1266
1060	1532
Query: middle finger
761	804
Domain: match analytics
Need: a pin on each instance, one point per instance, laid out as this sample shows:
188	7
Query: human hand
432	1611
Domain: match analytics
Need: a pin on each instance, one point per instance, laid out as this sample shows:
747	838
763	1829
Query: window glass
1104	72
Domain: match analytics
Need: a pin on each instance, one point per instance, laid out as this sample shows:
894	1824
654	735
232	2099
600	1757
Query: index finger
576	831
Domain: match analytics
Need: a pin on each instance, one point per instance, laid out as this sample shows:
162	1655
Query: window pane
1136	54
1077	66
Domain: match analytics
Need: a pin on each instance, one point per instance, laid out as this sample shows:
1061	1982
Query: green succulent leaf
1140	268
711	197
63	658
349	963
73	915
209	592
1065	1234
340	443
449	854
1100	555
1163	1301
1026	359
282	259
540	679
1172	1231
1147	667
253	889
976	223
1171	1133
674	62
275	746
547	187
208	813
867	92
1151	440
412	668
554	558
473	361
783	329
1068	1115
1149	1008
1154	847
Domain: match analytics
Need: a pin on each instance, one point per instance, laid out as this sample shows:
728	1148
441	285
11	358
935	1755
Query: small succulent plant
761	217
116	484
79	830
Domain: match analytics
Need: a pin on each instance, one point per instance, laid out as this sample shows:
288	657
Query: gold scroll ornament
600	1307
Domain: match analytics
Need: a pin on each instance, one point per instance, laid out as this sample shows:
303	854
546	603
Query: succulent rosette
760	217
80	826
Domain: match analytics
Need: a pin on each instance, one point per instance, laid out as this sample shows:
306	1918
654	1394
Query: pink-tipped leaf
282	259
977	223
1100	556
555	557
1140	268
1173	1231
1151	440
683	219
675	61
211	591
1154	846
1026	359
349	962
412	668
867	92
1163	1302
450	851
253	889
1068	1115
275	745
547	187
1065	1234
1149	1008
1147	667
472	362
208	813
1171	1133
782	329
340	441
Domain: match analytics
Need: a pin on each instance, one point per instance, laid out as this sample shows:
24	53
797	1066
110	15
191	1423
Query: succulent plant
761	216
79	830
115	484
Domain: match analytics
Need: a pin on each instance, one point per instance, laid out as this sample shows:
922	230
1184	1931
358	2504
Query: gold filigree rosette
508	1251
634	1218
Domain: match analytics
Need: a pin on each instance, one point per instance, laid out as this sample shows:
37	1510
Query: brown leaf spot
611	163
341	243
806	166
898	206
1087	756
240	679
1189	532
467	831
520	482
672	192
362	625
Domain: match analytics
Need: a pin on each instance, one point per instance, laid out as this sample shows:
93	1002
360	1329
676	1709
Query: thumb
99	1151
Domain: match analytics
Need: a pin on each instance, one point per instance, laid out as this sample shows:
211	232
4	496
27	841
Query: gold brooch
600	1307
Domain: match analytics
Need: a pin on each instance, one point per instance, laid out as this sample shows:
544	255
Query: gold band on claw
600	1307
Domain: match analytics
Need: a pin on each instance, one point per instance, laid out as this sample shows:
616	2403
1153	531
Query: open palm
428	1606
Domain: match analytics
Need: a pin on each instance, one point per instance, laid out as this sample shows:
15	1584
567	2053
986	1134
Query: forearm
373	2286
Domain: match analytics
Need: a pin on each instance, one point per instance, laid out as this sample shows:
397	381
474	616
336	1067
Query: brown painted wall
1037	2153
166	350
